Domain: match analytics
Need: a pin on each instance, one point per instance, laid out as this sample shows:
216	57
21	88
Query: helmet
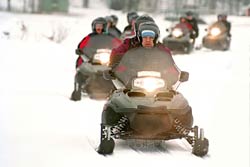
224	16
141	19
189	13
99	20
219	16
148	27
131	16
109	19
115	19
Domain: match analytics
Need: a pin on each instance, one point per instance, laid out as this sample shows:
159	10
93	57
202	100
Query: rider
193	22
148	34
227	24
128	43
98	26
222	20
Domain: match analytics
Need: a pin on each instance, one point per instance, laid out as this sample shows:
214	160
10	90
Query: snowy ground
40	126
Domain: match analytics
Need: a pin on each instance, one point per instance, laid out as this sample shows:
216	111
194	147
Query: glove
108	75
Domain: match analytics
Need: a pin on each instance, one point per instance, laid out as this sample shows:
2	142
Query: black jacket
194	24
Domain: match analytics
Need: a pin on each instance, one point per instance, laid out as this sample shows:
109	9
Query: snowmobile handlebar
79	51
184	76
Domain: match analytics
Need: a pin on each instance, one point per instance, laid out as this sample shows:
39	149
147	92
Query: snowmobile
96	58
146	105
217	37
179	41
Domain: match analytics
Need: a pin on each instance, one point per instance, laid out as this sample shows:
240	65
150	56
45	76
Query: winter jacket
228	26
194	24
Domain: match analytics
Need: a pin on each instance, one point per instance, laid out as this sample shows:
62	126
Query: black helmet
131	16
142	19
115	19
189	13
99	20
148	27
109	19
219	16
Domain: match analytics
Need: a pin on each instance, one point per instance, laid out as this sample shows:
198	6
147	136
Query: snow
40	126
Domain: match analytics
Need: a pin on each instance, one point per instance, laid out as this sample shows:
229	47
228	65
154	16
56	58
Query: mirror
78	51
184	76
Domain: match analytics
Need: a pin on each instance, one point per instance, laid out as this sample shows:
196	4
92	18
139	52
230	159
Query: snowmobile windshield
143	59
102	41
184	27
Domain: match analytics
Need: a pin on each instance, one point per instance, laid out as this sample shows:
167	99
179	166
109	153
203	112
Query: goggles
98	25
148	33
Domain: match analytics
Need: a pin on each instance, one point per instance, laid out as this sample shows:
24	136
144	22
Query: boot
80	81
107	143
76	94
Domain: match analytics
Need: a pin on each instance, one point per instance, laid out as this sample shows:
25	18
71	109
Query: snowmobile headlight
150	84
102	56
177	32
215	31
